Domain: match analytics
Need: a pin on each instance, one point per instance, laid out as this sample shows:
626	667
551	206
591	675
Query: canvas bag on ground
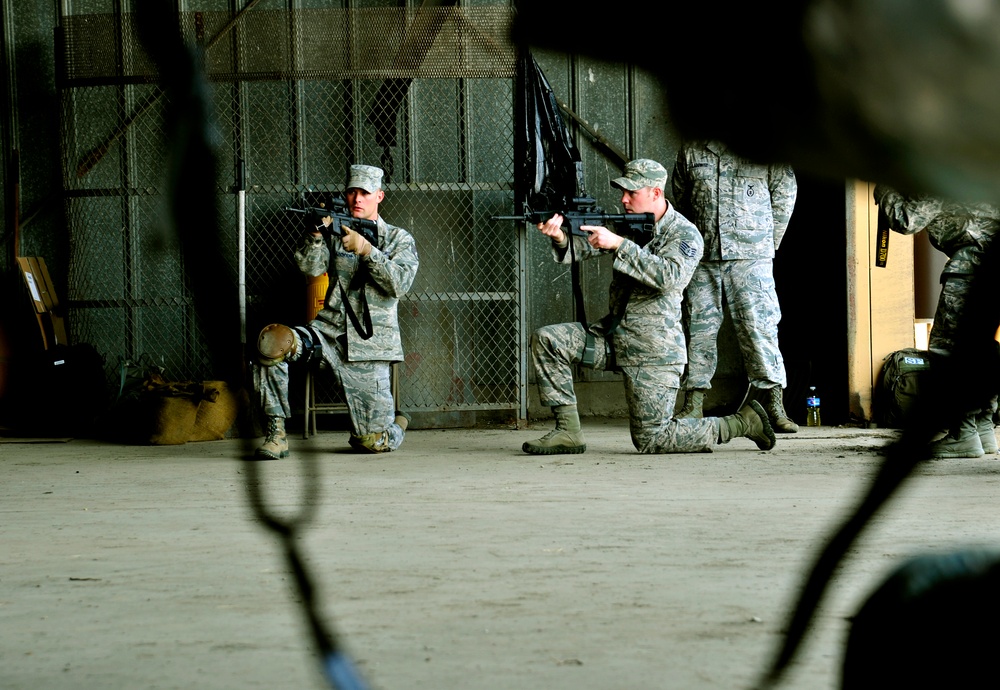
899	385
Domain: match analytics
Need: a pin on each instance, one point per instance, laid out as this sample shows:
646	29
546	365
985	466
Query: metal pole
241	229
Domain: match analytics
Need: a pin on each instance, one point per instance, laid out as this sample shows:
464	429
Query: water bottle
812	408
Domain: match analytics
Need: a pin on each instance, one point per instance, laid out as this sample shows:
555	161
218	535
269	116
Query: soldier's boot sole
771	400
783	425
763	437
276	454
989	441
556	442
948	447
987	435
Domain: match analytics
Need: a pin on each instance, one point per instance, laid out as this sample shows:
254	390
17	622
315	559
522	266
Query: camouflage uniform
960	231
648	344
742	210
361	367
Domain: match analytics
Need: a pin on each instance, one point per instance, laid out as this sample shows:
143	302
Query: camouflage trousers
366	386
650	391
745	287
951	303
955	290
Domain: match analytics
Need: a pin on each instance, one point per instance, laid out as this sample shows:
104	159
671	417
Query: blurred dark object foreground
879	90
930	624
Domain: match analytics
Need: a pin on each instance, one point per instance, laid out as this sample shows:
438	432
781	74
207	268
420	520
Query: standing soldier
642	337
742	210
962	232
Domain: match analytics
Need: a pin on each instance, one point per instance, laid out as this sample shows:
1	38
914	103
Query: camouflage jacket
962	231
648	283
741	208
385	275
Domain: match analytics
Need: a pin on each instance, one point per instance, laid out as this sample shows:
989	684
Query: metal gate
299	94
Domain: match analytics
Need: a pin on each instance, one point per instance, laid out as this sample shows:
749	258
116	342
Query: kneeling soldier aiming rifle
642	336
373	264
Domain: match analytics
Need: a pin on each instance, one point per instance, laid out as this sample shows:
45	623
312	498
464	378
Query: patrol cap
640	173
366	177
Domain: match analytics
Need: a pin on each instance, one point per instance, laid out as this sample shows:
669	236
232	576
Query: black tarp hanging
548	171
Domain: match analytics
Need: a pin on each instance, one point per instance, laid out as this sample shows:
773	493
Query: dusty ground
456	563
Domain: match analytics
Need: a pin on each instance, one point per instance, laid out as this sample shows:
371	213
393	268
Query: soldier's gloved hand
354	242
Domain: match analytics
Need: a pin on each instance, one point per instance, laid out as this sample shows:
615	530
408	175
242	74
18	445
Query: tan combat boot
963	442
749	421
987	436
275	441
772	401
402	420
694	399
565	438
377	442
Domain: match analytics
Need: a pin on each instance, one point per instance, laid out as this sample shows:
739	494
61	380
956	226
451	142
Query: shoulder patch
688	250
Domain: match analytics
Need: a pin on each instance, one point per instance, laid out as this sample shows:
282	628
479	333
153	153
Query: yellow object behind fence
316	288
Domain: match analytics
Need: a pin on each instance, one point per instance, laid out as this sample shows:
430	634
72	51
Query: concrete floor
455	563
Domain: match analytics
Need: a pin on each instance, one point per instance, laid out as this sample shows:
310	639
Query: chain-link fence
299	95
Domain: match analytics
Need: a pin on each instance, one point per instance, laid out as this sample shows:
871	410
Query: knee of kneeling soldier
278	343
275	344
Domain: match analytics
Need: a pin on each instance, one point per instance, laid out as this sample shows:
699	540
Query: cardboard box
42	294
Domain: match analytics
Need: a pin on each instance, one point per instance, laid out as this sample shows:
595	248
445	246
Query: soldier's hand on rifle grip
354	242
553	228
326	223
600	237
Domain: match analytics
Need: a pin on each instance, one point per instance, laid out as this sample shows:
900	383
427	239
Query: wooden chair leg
309	405
394	386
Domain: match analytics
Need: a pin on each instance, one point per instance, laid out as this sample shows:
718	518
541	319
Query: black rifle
637	227
336	208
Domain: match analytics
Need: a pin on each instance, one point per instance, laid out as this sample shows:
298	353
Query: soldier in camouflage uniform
742	210
647	343
962	232
360	360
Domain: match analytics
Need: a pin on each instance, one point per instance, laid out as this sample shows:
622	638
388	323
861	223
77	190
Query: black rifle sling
574	270
358	282
611	321
589	351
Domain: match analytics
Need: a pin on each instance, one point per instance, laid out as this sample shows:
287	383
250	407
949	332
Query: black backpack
899	385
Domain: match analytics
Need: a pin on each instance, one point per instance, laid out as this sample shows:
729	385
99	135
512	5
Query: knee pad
276	343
